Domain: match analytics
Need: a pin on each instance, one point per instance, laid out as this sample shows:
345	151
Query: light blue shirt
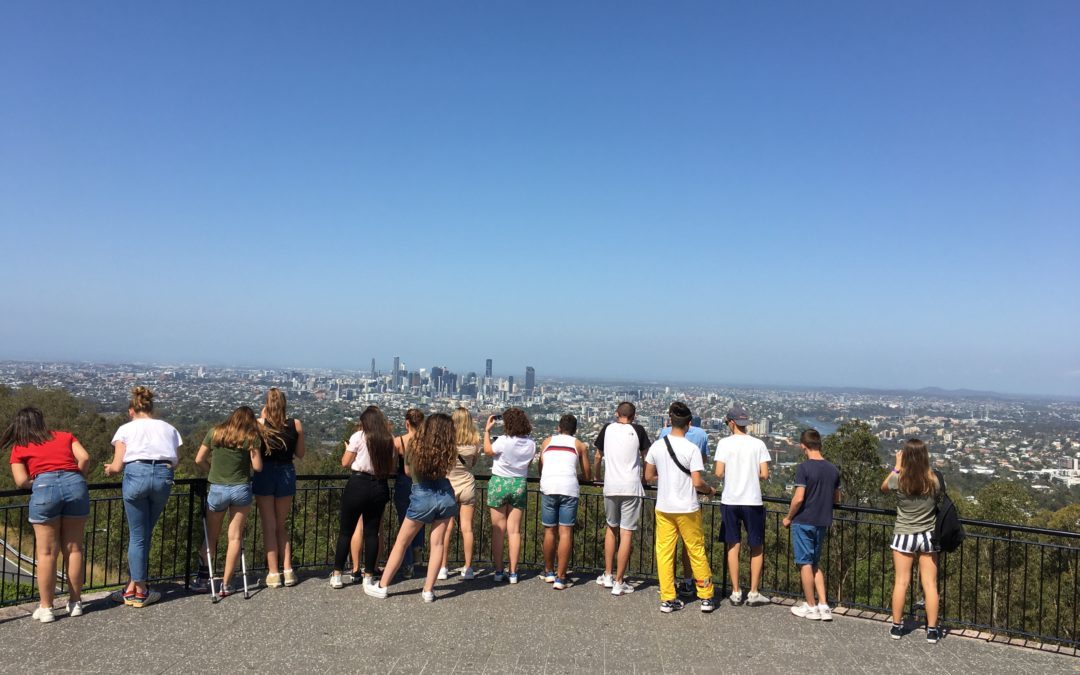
695	435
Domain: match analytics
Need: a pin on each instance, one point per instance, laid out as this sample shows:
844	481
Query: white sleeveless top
560	473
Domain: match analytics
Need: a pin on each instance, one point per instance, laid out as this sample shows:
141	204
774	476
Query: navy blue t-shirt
821	480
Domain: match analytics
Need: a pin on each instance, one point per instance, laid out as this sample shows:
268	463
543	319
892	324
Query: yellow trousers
669	527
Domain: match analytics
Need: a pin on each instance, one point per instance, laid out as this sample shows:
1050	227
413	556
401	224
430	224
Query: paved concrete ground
476	627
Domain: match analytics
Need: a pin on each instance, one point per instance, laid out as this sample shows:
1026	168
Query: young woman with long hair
917	493
431	453
53	464
512	453
467	439
403	487
144	449
275	485
370	457
229	453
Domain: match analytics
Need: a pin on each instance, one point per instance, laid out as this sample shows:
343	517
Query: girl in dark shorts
275	485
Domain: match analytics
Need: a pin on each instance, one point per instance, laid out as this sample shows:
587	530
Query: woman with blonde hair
432	452
275	485
511	454
229	452
917	494
53	464
145	450
467	439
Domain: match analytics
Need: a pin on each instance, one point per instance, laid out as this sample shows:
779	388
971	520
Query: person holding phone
511	454
461	478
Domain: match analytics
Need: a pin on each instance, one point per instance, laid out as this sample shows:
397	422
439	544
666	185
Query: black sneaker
686	589
669	606
708	605
897	631
933	635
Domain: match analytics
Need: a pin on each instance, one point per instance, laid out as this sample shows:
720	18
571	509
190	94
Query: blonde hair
275	409
240	432
142	400
465	432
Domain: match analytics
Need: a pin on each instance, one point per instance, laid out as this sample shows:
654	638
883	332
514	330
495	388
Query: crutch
243	570
214	597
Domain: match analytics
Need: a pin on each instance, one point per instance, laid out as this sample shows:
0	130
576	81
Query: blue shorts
58	494
277	479
808	542
734	518
558	510
431	500
221	497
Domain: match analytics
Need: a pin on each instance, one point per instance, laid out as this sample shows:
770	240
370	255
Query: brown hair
240	431
142	400
811	439
414	417
516	422
465	432
433	450
275	409
916	479
27	428
626	409
379	439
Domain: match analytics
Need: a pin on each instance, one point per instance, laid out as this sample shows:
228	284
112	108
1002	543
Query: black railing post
190	536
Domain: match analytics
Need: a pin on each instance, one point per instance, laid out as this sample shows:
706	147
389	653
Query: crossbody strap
671	453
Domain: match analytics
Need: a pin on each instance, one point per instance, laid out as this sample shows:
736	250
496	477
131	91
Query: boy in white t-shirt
743	462
675	464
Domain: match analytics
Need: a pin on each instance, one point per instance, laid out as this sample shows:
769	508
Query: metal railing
1010	580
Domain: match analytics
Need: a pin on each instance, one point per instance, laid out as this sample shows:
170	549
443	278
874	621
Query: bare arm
202	458
21	476
82	457
796	503
347	457
117	464
650	473
836	496
763	471
256	459
719	469
301	449
583	457
700	485
487	436
543	446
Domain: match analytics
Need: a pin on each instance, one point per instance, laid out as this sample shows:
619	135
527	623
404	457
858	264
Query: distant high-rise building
396	377
487	369
530	380
373	368
510	385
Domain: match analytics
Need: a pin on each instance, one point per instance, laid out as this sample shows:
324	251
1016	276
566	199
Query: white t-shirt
559	474
741	455
362	462
675	489
513	454
148	438
622	445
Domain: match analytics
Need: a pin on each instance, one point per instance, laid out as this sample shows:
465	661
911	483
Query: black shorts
750	517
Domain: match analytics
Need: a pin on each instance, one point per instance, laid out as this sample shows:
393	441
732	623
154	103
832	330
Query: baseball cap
738	415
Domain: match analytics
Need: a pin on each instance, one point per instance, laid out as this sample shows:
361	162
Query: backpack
948	531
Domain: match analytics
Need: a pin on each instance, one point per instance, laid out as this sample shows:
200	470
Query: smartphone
497	417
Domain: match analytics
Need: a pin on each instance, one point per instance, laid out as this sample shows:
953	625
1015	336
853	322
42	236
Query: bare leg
498	535
406	532
513	533
549	549
609	550
902	562
626	545
446	543
268	515
237	518
282	507
71	538
438	537
757	563
806	575
47	545
466	515
355	544
566	540
819	585
928	576
733	566
214	519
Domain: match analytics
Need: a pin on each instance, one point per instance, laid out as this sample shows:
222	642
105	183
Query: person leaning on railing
275	485
512	454
917	494
53	464
467	439
403	488
144	449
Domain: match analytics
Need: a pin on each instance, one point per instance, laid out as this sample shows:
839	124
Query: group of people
250	457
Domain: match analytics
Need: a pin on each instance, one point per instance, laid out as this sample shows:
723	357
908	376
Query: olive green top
914	514
228	466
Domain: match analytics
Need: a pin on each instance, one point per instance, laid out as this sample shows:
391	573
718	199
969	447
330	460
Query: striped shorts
923	542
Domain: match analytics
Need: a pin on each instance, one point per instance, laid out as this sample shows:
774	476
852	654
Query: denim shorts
431	500
750	517
558	510
59	493
277	479
808	541
221	497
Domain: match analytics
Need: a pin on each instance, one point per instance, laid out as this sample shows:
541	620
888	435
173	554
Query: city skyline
850	195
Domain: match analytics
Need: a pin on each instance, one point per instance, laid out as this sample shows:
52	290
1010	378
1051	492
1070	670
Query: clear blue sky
845	194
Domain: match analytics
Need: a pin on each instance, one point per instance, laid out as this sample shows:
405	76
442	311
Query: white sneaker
499	576
757	599
44	615
428	597
75	608
621	588
375	591
825	612
336	582
468	574
443	574
548	577
558	584
513	578
805	611
606	580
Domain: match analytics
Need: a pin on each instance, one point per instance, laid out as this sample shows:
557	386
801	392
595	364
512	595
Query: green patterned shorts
502	490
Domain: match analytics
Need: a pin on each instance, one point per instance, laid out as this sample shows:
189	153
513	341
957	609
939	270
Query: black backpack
948	532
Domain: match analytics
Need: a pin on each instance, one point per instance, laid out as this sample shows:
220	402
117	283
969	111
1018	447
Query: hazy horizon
847	195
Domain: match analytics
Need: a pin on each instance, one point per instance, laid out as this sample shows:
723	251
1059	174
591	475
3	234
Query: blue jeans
808	541
221	497
402	495
431	501
558	510
58	494
146	491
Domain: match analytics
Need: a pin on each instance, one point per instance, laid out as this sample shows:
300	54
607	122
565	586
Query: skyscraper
530	380
373	368
487	369
396	378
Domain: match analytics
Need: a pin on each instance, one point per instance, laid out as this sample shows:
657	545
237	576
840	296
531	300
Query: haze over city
851	195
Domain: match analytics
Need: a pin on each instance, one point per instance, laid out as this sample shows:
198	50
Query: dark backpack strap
671	453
